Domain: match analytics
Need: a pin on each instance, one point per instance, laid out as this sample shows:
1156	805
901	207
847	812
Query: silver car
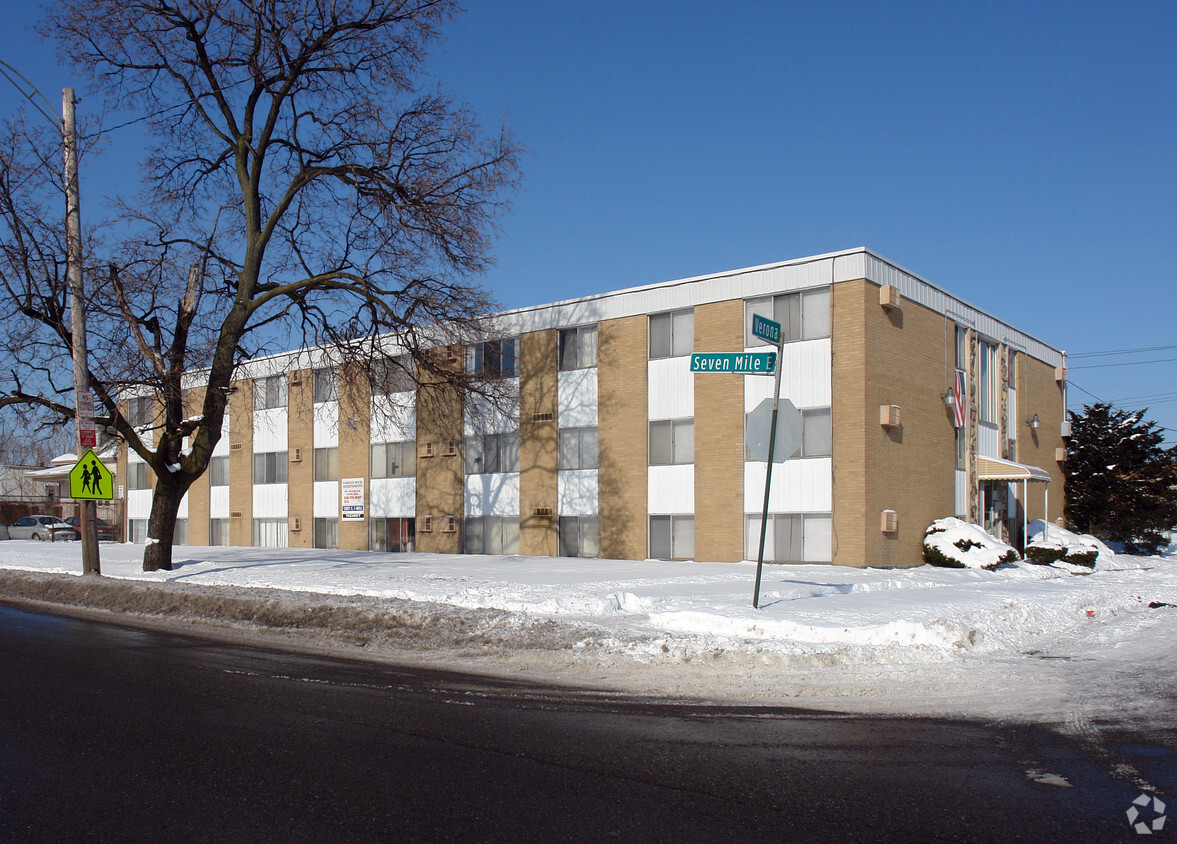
48	528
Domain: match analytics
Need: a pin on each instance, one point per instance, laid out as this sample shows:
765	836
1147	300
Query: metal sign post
766	326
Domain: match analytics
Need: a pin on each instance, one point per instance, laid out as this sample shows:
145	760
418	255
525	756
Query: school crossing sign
90	479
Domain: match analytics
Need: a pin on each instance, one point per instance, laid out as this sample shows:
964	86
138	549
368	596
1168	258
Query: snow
1051	644
967	545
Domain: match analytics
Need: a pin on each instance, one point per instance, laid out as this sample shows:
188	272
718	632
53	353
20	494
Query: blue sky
1021	155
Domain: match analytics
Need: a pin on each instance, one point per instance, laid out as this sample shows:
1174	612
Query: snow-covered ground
1057	645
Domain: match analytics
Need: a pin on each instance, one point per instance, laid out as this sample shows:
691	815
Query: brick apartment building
915	405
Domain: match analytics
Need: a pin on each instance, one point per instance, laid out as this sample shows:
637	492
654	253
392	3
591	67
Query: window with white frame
180	532
672	335
140	411
137	531
790	537
327	464
578	347
270	533
137	475
803	315
578	448
672	441
494	358
988	381
393	375
326	384
490	535
269	467
580	536
270	392
326	532
394	460
218	531
492	453
672	537
218	470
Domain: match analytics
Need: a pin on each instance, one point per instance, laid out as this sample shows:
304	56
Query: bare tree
300	185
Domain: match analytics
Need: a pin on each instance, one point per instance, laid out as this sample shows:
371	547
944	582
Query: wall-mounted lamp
1033	422
949	399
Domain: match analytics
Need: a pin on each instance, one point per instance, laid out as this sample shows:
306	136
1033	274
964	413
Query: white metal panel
671	393
326	416
394	418
962	493
576	398
326	504
391	498
492	495
819	539
270	430
988	441
670	489
270	501
139	503
798	486
218	502
498	416
577	492
806	375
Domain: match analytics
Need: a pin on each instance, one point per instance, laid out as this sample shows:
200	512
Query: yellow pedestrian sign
90	479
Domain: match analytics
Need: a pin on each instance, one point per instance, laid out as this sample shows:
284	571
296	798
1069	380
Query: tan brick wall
889	357
241	464
622	384
300	473
355	419
719	441
538	442
198	494
1042	395
440	479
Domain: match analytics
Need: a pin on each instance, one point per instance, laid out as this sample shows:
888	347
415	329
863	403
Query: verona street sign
766	329
746	363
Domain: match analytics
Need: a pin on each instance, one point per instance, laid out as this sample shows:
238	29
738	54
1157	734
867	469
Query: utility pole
83	402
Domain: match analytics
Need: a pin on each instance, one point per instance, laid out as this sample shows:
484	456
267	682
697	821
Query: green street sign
743	363
766	329
90	479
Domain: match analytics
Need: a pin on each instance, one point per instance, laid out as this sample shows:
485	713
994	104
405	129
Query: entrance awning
996	469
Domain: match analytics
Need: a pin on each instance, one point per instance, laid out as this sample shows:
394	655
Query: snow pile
953	543
1022	641
1050	543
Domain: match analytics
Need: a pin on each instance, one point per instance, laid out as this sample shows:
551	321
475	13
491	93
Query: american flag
958	396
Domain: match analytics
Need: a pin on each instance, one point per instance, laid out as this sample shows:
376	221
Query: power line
1121	352
1126	363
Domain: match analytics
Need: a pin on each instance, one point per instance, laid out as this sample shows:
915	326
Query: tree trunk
161	526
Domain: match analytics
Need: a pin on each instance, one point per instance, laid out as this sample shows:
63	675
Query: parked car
106	531
48	528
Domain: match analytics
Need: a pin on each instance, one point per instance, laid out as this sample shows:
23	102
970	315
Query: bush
1077	557
951	543
1044	555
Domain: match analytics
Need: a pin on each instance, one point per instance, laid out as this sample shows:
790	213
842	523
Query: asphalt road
117	734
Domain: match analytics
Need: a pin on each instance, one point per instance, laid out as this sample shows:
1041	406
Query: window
218	531
672	441
326	533
137	531
672	335
790	537
326	467
578	347
491	535
218	471
804	315
270	533
494	359
326	384
1011	369
392	535
580	536
137	475
672	537
269	392
393	375
816	436
140	411
394	460
180	532
492	453
578	448
987	382
269	467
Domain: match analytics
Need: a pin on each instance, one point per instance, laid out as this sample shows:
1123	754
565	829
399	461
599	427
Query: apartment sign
743	363
351	499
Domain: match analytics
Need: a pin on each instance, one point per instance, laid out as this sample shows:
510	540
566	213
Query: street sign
766	329
90	479
743	363
788	431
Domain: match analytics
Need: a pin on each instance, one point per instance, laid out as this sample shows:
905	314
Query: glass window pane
684	441
752	538
569	448
510	536
684	537
569	536
661	337
568	349
815	313
661	443
378	467
819	539
587	346
787	311
590	536
684	332
588	448
492	454
259	468
510	448
408	456
788	545
660	545
473	535
473	451
761	306
816	438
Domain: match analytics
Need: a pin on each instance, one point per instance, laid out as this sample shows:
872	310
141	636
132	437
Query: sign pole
776	401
